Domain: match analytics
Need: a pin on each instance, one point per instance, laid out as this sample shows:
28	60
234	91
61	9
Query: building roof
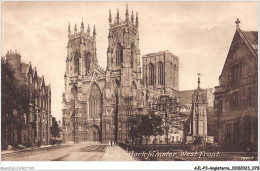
185	97
252	37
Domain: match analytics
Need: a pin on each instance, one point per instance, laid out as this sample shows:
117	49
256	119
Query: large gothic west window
119	54
94	102
160	73
151	74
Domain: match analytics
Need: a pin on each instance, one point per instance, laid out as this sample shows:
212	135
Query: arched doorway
95	134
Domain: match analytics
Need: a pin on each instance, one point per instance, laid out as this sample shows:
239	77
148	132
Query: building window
87	62
119	54
151	74
94	102
236	71
160	74
36	101
76	62
24	118
234	100
107	126
132	54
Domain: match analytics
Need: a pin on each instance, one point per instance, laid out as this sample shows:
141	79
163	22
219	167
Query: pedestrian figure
59	143
112	143
109	142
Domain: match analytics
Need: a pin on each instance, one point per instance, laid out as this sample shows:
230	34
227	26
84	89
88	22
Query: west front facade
102	96
105	100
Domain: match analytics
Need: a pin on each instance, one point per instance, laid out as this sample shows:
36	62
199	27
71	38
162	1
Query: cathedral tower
123	73
84	80
123	53
81	51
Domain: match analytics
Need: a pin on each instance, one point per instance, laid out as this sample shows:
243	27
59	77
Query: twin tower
105	99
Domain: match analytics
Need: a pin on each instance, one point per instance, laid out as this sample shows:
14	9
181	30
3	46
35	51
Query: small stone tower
199	112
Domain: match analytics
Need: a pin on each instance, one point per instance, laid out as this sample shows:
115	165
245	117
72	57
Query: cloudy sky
199	33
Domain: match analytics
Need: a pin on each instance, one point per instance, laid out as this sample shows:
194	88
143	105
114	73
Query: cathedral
98	103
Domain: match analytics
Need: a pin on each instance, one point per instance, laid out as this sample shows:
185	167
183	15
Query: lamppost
74	92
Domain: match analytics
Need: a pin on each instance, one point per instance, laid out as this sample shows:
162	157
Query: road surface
78	152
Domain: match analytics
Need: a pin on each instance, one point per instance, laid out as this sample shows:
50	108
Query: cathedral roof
185	97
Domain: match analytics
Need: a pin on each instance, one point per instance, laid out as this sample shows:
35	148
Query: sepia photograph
129	81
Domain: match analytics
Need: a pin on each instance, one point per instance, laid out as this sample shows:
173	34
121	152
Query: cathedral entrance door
94	136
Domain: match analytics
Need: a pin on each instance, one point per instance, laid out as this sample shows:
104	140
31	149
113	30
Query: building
105	98
37	123
155	78
82	112
236	99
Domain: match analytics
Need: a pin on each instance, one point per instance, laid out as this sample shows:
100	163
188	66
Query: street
70	152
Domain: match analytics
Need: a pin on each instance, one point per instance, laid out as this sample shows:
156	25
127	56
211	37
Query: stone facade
155	78
105	99
192	106
236	98
38	122
83	72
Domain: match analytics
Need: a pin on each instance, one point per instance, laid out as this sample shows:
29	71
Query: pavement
116	153
69	152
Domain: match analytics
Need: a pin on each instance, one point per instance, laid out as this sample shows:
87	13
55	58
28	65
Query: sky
199	33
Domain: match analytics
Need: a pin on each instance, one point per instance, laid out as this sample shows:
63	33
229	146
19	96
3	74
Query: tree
170	111
145	125
55	129
14	104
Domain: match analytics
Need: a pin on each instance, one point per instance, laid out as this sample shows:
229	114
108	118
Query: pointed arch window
76	62
151	74
94	102
160	73
119	54
87	62
132	54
